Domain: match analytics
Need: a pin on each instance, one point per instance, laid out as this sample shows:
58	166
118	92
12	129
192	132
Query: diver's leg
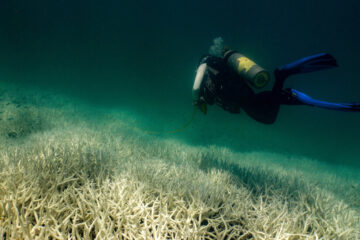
280	77
296	97
312	63
263	107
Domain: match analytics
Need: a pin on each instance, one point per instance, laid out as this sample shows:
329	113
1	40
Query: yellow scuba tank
247	69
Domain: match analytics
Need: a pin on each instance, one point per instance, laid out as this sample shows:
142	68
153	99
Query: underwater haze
95	101
142	56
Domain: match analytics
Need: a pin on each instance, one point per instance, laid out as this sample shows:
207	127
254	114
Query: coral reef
18	119
100	179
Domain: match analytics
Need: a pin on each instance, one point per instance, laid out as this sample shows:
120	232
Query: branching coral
88	181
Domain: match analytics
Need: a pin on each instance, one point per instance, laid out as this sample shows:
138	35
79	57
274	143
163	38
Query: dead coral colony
77	182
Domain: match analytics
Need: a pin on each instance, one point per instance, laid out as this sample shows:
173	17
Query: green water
142	57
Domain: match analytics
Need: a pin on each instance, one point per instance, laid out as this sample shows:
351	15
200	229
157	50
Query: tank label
244	64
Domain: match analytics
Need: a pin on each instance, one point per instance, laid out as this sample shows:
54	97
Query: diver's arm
198	101
200	73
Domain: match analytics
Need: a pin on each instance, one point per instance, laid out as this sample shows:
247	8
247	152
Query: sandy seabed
68	171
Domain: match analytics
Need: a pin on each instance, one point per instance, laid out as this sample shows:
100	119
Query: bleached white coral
79	182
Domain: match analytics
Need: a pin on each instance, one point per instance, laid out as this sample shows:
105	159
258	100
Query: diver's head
216	47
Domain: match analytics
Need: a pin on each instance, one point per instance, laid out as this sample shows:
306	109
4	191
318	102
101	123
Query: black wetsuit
225	87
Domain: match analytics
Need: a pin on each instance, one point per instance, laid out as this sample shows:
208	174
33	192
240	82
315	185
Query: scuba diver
227	80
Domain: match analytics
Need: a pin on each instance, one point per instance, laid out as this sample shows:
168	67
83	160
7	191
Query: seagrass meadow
98	139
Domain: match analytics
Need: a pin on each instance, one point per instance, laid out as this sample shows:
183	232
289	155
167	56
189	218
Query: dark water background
142	55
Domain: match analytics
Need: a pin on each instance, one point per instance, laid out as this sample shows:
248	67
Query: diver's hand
201	105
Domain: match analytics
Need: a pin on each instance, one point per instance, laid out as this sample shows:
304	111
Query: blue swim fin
312	63
305	99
